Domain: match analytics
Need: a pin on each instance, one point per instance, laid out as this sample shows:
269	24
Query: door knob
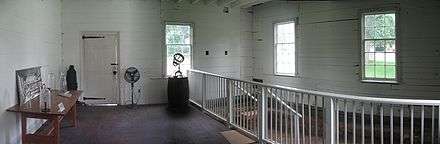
115	72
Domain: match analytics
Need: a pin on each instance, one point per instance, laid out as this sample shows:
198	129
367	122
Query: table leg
56	124
23	128
73	118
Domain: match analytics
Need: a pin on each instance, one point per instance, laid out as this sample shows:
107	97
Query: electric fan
132	76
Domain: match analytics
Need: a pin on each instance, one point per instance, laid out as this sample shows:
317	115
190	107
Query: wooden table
49	133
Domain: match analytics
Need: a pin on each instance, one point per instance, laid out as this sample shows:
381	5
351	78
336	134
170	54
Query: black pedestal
178	94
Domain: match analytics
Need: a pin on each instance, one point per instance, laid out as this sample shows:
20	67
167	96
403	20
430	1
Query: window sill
286	75
381	81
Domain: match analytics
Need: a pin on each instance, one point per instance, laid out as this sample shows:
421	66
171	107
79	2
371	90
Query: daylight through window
178	40
379	46
285	48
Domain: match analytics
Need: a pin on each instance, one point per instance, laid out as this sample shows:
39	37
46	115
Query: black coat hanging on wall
72	83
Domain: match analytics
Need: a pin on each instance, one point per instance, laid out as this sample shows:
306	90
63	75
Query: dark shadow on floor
142	125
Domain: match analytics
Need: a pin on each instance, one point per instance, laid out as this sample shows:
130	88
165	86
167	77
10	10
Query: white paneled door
100	67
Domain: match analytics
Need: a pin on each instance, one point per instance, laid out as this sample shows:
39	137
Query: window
178	40
284	44
379	47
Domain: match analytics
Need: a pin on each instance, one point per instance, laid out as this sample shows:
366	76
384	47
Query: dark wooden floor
143	125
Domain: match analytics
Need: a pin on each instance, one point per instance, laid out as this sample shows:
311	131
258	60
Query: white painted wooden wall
216	32
329	52
30	35
141	39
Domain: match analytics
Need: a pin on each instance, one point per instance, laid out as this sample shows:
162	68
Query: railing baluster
249	108
354	122
236	99
401	124
296	126
297	130
391	125
372	122
222	84
337	120
316	118
241	105
309	118
230	102
286	117
246	107
262	105
363	123
271	115
203	91
217	99
291	115
345	122
422	128
412	125
381	123
303	119
283	118
323	121
276	116
432	124
256	108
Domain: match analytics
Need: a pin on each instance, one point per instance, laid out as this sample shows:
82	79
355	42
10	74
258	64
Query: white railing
279	114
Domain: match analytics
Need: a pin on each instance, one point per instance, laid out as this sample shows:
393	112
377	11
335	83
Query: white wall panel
216	32
139	25
329	47
30	35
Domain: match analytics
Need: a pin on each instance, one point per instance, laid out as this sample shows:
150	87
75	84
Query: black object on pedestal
72	83
178	94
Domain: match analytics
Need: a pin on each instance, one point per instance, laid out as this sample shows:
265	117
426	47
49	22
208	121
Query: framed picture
29	84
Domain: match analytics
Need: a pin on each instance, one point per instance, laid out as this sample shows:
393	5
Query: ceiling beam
195	1
250	3
210	2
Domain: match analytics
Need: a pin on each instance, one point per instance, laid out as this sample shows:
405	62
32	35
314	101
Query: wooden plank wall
328	45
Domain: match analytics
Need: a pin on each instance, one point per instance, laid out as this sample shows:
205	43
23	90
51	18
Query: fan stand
132	105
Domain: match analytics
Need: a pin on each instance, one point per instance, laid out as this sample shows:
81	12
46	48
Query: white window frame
275	35
166	45
397	47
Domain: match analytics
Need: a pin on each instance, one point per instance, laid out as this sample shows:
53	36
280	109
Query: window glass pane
390	58
183	49
178	34
390	46
369	46
285	33
379	46
388	33
379	26
370	21
369	59
379	59
369	71
390	19
380	71
390	72
285	62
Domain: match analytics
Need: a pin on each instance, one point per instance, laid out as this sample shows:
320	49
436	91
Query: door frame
118	61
